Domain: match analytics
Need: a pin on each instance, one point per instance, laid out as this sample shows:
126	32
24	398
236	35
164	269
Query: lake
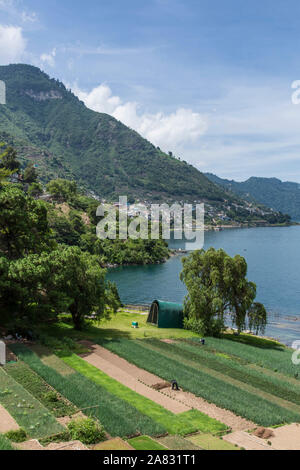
273	258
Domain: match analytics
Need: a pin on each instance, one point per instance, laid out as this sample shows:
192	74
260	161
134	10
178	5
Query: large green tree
63	280
217	285
24	226
62	190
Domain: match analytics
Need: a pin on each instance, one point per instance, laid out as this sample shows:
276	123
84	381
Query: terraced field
242	382
28	412
118	417
218	374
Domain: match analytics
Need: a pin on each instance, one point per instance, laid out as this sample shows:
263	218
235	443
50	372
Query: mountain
51	127
280	196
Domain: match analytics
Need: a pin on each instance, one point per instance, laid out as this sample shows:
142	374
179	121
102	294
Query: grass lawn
145	443
28	412
5	444
209	442
183	423
119	326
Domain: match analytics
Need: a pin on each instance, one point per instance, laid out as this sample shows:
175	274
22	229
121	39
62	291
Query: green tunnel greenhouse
166	314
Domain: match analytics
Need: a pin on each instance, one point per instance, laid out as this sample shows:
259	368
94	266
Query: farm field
209	442
118	417
183	423
236	375
178	443
28	412
145	443
263	399
35	385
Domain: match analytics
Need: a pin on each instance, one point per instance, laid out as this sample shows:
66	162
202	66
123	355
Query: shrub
214	328
194	325
17	436
86	430
51	397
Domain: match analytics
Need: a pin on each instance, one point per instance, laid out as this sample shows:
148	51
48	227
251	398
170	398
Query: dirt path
34	444
236	423
7	422
247	441
123	373
132	376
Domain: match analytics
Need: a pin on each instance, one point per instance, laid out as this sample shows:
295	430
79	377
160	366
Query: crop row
118	417
197	356
223	394
28	412
181	424
276	358
35	385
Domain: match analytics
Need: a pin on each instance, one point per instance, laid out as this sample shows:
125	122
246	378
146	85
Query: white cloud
49	59
12	44
6	5
169	131
11	7
29	17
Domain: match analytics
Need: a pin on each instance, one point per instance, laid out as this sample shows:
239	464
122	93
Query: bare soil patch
35	445
263	433
247	441
286	437
7	422
161	386
64	421
64	208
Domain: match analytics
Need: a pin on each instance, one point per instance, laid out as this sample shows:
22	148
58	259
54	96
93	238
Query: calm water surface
273	258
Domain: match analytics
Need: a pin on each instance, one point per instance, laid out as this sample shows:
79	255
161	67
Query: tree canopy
24	225
217	285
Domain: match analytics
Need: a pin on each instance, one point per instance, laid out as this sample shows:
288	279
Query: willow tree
217	286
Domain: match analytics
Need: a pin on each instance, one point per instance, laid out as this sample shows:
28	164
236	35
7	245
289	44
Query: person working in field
175	385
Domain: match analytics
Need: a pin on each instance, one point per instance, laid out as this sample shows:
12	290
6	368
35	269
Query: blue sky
209	80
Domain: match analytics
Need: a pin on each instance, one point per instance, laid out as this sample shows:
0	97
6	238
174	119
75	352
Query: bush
86	430
17	436
51	397
194	325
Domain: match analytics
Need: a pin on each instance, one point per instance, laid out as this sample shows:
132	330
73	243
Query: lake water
273	258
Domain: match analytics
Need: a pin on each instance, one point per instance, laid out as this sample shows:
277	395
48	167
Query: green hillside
50	126
280	196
